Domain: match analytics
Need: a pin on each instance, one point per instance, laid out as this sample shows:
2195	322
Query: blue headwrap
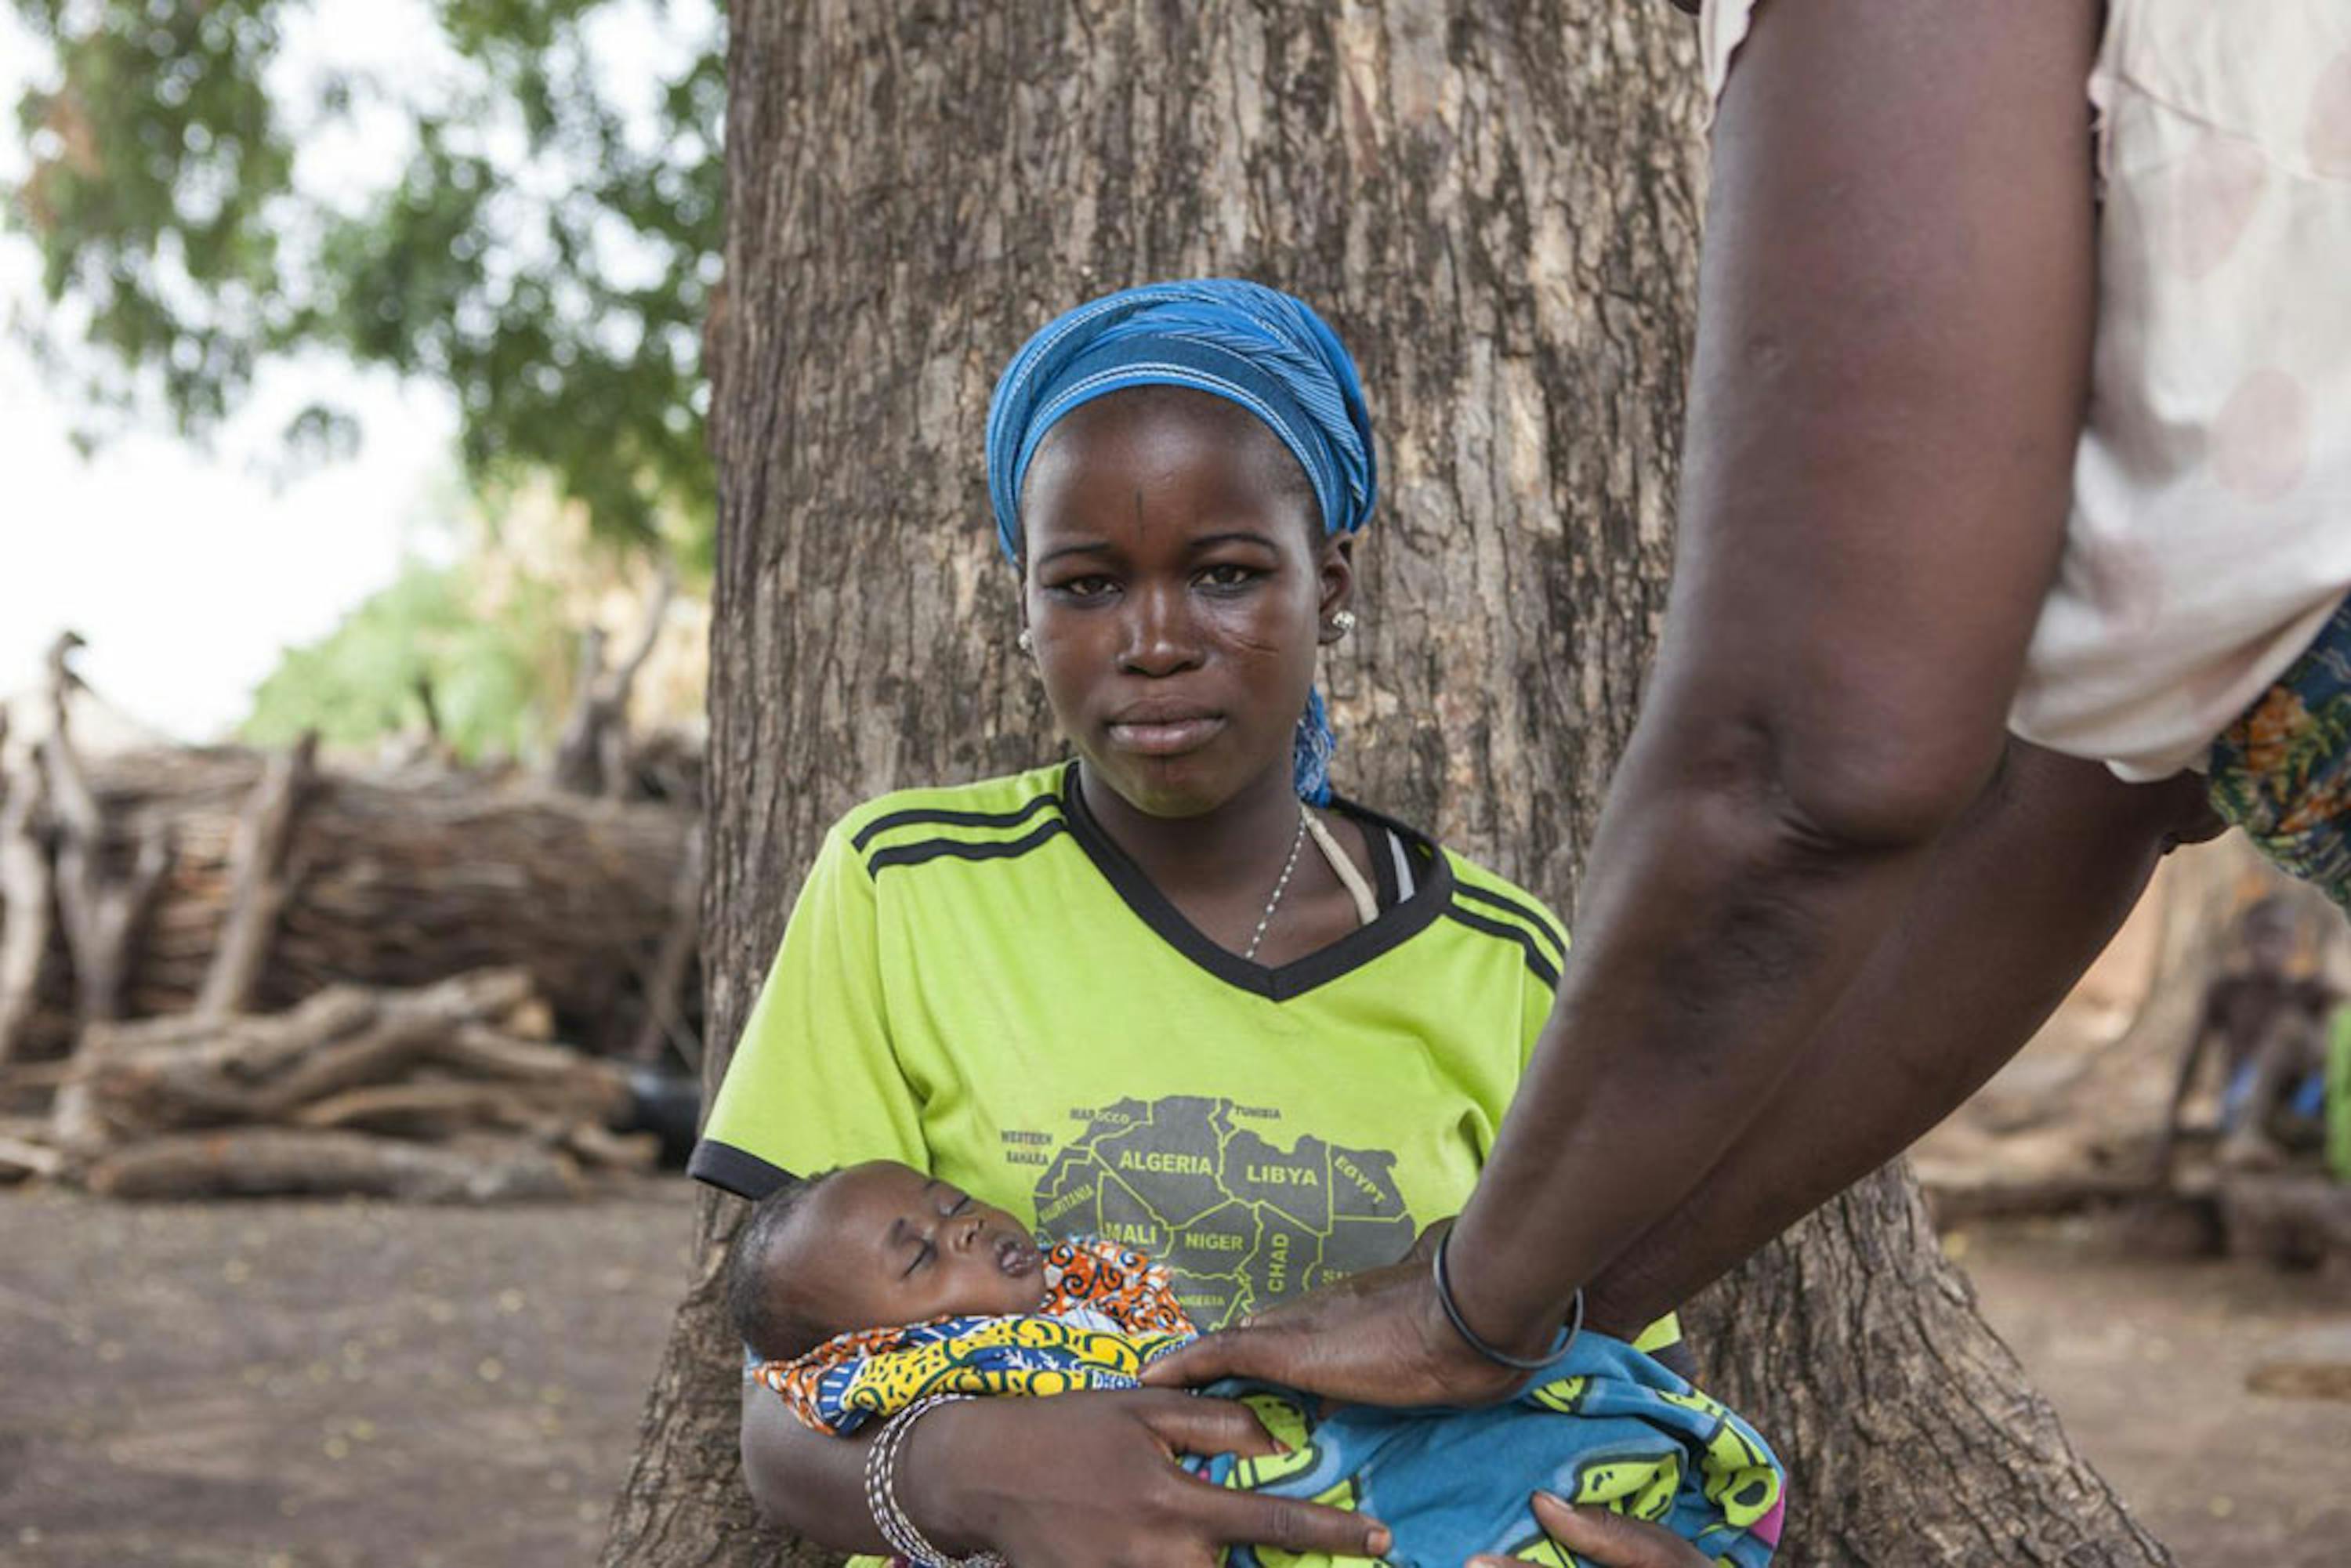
1256	346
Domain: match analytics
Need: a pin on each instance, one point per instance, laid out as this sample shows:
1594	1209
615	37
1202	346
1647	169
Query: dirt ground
333	1385
325	1384
2147	1359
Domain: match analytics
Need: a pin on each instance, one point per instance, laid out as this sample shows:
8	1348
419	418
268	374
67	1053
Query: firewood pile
449	1092
224	972
394	881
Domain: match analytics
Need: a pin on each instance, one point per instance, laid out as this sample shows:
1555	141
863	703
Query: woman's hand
1088	1480
1378	1338
1606	1539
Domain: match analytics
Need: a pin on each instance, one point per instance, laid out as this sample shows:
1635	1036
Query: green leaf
538	254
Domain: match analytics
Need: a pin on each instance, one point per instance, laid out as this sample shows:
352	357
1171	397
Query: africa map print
1240	1220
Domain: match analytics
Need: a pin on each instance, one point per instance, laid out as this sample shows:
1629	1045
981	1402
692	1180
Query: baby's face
893	1246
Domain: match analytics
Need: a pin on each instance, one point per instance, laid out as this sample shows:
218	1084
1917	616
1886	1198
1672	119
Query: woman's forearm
1892	358
1072	1481
804	1481
1697	997
2015	903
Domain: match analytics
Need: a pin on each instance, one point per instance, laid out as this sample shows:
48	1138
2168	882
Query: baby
861	1291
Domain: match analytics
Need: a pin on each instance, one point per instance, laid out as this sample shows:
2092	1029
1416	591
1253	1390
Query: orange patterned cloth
1108	1313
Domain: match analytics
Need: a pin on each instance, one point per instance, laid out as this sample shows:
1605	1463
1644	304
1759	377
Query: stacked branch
449	1092
24	916
101	903
286	876
592	753
262	872
158	909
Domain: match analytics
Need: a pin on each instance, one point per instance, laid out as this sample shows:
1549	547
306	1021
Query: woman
2012	549
1175	991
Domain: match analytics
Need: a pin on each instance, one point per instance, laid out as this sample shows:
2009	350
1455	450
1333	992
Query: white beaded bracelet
882	1492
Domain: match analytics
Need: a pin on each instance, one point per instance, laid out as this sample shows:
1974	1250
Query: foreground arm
2016	902
1892	360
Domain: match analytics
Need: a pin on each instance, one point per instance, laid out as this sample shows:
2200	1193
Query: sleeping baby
859	1292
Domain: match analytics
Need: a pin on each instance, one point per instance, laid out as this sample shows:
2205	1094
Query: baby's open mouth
1016	1256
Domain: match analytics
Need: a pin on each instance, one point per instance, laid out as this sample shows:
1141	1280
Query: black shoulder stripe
1526	911
1541	968
963	849
947	818
744	1174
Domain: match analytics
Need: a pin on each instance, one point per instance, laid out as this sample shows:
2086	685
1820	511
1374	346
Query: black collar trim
1397	924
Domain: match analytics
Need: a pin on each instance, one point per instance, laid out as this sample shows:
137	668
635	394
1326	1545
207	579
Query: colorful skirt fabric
2283	772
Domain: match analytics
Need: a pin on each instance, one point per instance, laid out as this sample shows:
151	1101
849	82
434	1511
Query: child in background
2270	1022
865	1292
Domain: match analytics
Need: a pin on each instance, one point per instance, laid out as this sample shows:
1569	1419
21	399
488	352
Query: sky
187	570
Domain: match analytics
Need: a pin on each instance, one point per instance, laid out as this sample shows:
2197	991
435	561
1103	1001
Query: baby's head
872	1245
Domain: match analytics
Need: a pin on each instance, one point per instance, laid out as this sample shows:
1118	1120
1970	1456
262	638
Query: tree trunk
1498	207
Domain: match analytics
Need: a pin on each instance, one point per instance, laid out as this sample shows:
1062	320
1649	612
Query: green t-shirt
977	982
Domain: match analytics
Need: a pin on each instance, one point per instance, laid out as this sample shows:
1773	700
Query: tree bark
667	982
1497	205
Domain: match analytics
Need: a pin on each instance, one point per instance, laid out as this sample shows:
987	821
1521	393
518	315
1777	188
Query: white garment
1084	1317
2211	535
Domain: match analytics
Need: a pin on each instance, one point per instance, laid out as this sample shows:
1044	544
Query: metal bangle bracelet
882	1492
1470	1335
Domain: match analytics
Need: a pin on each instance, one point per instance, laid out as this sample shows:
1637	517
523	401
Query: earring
1025	642
1341	622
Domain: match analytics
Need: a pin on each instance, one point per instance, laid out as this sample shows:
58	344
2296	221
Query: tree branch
261	876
